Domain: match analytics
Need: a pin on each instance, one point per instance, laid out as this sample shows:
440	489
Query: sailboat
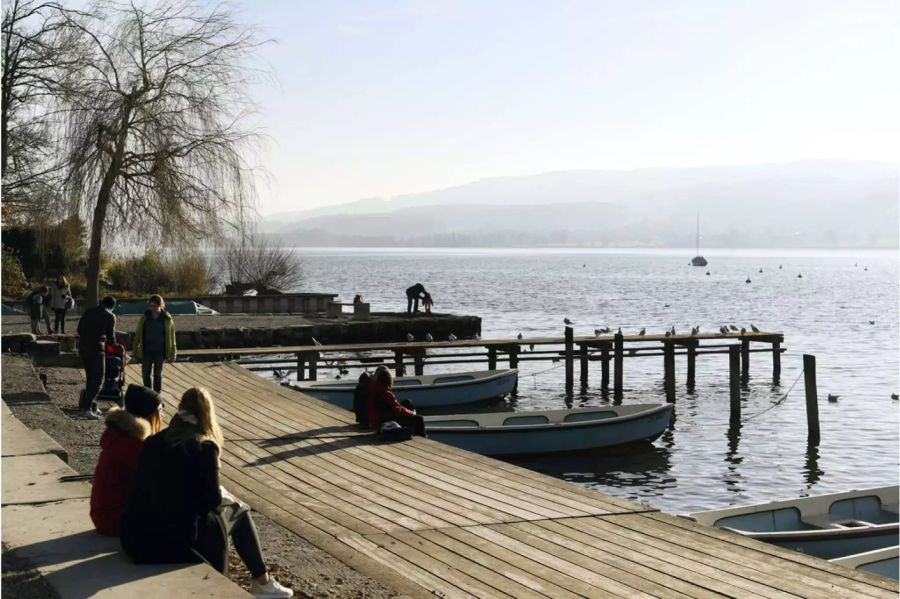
698	260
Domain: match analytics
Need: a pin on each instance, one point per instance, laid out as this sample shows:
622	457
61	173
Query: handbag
70	302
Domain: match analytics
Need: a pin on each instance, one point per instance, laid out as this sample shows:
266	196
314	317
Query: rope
779	401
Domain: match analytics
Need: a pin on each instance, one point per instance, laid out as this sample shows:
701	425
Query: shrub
184	274
190	274
258	262
14	282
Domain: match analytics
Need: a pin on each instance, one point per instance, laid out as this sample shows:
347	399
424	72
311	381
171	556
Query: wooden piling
669	370
734	379
313	359
492	358
812	404
570	367
583	350
514	363
604	367
419	364
691	364
776	362
745	360
619	343
301	367
398	362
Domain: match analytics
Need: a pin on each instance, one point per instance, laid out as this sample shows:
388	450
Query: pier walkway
431	520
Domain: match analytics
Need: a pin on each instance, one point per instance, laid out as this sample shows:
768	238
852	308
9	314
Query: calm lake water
699	463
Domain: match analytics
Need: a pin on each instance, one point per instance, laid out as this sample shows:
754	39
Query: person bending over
413	295
177	510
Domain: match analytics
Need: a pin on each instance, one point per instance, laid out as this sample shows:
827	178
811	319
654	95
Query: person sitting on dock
120	447
383	406
177	511
427	303
361	398
413	295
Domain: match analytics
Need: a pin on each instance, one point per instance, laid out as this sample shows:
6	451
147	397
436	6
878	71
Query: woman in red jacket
383	405
120	447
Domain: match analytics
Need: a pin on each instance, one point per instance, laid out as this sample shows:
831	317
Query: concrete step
29	479
18	439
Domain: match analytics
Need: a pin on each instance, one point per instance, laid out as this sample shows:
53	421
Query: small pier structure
430	520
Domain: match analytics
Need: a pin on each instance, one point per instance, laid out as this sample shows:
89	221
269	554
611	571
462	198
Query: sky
385	97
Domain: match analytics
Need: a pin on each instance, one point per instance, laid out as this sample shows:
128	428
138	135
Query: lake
698	463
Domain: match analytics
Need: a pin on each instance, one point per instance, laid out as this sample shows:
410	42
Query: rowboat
426	391
827	526
550	431
885	562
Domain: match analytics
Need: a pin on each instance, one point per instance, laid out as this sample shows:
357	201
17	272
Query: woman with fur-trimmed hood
120	447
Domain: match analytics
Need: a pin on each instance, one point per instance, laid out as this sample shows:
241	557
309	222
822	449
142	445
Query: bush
14	282
185	274
258	262
190	274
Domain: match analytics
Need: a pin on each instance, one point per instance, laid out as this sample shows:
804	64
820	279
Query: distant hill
801	204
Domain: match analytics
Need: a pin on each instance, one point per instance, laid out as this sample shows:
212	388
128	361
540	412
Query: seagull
895	396
673	329
519	337
477	337
743	331
428	337
871	322
314	341
748	280
723	330
409	337
760	270
606	330
694	331
733	328
531	347
668	333
567	321
665	305
278	373
779	267
451	337
799	275
642	332
833	398
619	332
597	332
707	273
866	268
753	328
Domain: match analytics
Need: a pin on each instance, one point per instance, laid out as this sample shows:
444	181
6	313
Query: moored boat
426	391
827	526
884	562
550	431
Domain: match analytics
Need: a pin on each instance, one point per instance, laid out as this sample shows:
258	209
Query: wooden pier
309	359
430	520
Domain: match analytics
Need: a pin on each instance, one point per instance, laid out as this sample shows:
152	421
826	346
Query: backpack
392	432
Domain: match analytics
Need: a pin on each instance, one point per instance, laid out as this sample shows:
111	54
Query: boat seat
787	518
525	420
407	382
589	416
451	423
453	379
866	509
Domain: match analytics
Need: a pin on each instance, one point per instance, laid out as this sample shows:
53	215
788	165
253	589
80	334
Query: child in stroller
113	387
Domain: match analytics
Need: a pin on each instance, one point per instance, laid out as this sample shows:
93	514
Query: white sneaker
271	590
90	413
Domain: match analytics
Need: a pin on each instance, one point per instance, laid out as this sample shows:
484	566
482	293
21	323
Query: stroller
113	387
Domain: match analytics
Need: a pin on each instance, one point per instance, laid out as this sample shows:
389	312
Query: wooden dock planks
432	520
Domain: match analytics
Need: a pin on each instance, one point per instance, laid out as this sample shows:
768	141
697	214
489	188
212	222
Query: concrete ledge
59	541
30	479
19	440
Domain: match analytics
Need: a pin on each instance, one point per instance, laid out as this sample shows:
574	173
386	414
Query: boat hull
884	562
456	391
644	427
832	543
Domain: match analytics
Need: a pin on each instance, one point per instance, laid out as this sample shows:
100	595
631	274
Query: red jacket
120	447
383	406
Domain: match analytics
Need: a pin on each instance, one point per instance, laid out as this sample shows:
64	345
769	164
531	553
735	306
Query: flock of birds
723	330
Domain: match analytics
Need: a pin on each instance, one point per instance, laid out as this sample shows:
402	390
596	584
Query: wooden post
398	362
745	360
583	351
514	363
776	362
313	358
492	358
618	350
570	366
669	370
604	366
419	364
812	404
301	367
691	364
734	379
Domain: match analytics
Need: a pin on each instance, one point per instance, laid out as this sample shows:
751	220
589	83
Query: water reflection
733	478
811	472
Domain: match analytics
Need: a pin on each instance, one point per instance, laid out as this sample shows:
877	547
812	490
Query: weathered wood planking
432	520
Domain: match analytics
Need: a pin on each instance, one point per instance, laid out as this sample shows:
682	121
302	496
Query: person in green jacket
154	341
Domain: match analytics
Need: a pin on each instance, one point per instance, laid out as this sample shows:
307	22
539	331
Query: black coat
96	326
174	499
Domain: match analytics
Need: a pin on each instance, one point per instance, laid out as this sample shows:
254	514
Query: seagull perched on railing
519	336
754	329
314	341
694	331
567	321
619	332
733	328
668	333
723	330
743	331
428	337
451	337
642	332
409	337
597	332
673	329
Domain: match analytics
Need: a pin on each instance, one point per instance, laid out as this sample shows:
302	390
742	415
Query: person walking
60	302
177	510
154	341
413	295
96	327
37	309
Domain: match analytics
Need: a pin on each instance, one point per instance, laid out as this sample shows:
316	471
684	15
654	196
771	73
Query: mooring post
812	403
734	379
776	362
669	370
569	357
313	359
301	367
514	363
604	366
618	350
492	358
745	360
419	364
398	362
691	364
583	351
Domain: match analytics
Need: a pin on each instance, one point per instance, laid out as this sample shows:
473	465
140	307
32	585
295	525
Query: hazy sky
382	98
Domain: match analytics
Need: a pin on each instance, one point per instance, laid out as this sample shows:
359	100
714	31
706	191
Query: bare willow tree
255	261
156	123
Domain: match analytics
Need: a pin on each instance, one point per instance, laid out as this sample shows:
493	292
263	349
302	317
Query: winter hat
141	401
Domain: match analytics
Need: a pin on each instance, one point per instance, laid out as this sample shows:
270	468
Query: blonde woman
177	511
60	301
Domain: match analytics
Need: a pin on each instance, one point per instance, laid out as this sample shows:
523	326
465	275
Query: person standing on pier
60	300
154	341
96	328
413	295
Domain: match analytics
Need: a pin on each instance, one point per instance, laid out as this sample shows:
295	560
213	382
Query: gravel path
292	560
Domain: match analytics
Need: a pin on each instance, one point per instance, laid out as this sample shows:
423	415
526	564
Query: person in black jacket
414	294
360	397
96	328
178	513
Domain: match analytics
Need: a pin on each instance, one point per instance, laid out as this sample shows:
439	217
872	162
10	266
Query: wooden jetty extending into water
430	520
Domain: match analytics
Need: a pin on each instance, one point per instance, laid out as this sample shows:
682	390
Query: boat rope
534	375
779	401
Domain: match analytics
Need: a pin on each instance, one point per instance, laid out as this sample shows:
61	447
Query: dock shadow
334	437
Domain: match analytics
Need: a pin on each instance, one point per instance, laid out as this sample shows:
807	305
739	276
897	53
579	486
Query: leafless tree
157	137
254	261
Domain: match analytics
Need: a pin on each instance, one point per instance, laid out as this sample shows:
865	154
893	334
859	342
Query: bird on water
833	398
748	280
